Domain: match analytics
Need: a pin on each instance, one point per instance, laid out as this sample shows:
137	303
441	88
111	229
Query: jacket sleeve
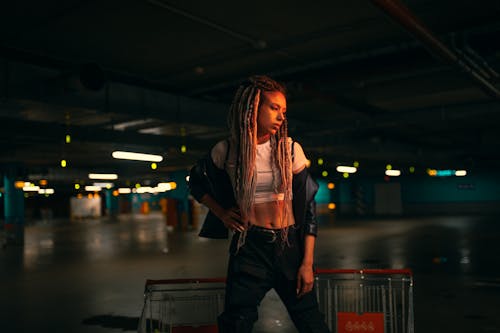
199	182
304	190
310	221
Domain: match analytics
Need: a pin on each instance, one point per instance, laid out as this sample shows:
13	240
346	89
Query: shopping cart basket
371	300
182	305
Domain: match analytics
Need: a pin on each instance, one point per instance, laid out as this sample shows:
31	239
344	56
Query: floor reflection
97	268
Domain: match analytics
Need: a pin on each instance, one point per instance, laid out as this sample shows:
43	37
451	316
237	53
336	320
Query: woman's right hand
231	218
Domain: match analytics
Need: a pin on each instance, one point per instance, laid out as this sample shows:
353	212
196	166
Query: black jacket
206	178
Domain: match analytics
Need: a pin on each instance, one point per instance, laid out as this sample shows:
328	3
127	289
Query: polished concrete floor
88	276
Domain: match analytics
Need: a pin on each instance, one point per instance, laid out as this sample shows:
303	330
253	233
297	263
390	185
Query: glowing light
124	190
126	155
46	191
332	206
146	189
43	182
183	149
347	169
412	169
164	187
393	173
92	188
68	138
115	193
104	185
460	173
64	163
324	173
19	184
79	196
137	185
388	167
154	166
355	164
31	188
331	186
187	179
432	172
345	175
103	176
320	161
90	196
77	186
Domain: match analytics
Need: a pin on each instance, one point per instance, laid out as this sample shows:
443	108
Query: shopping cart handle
405	271
150	282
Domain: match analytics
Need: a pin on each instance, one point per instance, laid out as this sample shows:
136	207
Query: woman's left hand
305	280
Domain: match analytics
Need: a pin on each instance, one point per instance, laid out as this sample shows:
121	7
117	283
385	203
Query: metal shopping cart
182	305
353	301
371	300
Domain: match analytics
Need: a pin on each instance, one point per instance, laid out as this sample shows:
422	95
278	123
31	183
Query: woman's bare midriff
269	214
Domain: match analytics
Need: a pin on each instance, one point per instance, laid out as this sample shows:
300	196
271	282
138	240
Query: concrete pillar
111	203
14	210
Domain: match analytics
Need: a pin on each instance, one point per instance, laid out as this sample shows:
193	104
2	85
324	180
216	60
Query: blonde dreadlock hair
242	122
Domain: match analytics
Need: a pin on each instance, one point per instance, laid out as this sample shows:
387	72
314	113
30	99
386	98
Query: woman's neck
263	138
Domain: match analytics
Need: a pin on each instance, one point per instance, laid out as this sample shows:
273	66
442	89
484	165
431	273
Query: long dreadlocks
242	122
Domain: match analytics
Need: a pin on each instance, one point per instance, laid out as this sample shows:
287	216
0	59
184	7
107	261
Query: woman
256	184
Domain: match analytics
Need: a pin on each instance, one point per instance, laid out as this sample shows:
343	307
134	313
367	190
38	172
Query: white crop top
264	191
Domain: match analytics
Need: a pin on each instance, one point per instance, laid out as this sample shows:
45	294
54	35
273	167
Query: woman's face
271	113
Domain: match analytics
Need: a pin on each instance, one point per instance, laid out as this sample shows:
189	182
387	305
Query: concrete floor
88	276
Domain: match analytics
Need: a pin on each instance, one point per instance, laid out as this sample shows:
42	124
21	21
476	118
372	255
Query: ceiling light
393	173
124	190
460	173
348	169
125	155
31	188
104	185
92	188
103	176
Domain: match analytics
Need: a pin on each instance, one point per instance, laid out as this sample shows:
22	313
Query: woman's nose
281	115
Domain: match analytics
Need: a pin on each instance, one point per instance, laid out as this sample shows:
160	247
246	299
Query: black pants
260	264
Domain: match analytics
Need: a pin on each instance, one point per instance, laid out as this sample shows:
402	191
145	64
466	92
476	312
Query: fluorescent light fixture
393	173
103	176
124	190
146	189
104	185
31	188
460	173
126	155
46	191
92	188
348	169
164	187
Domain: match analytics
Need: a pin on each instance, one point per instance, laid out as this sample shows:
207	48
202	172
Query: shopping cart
371	300
353	301
182	305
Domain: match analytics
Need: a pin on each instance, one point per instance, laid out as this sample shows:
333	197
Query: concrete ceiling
411	83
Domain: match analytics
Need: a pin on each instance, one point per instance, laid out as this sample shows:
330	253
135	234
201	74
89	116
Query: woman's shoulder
219	153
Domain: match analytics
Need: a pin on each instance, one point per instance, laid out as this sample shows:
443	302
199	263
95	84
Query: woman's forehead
275	97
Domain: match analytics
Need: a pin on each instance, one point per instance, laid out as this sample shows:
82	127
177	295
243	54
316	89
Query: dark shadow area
111	321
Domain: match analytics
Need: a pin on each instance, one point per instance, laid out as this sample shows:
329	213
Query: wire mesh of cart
371	300
182	305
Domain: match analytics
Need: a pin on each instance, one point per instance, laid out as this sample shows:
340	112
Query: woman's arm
305	275
230	217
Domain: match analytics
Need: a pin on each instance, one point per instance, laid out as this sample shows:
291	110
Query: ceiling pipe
256	43
397	11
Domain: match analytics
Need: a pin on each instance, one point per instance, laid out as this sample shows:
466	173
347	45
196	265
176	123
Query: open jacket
206	178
